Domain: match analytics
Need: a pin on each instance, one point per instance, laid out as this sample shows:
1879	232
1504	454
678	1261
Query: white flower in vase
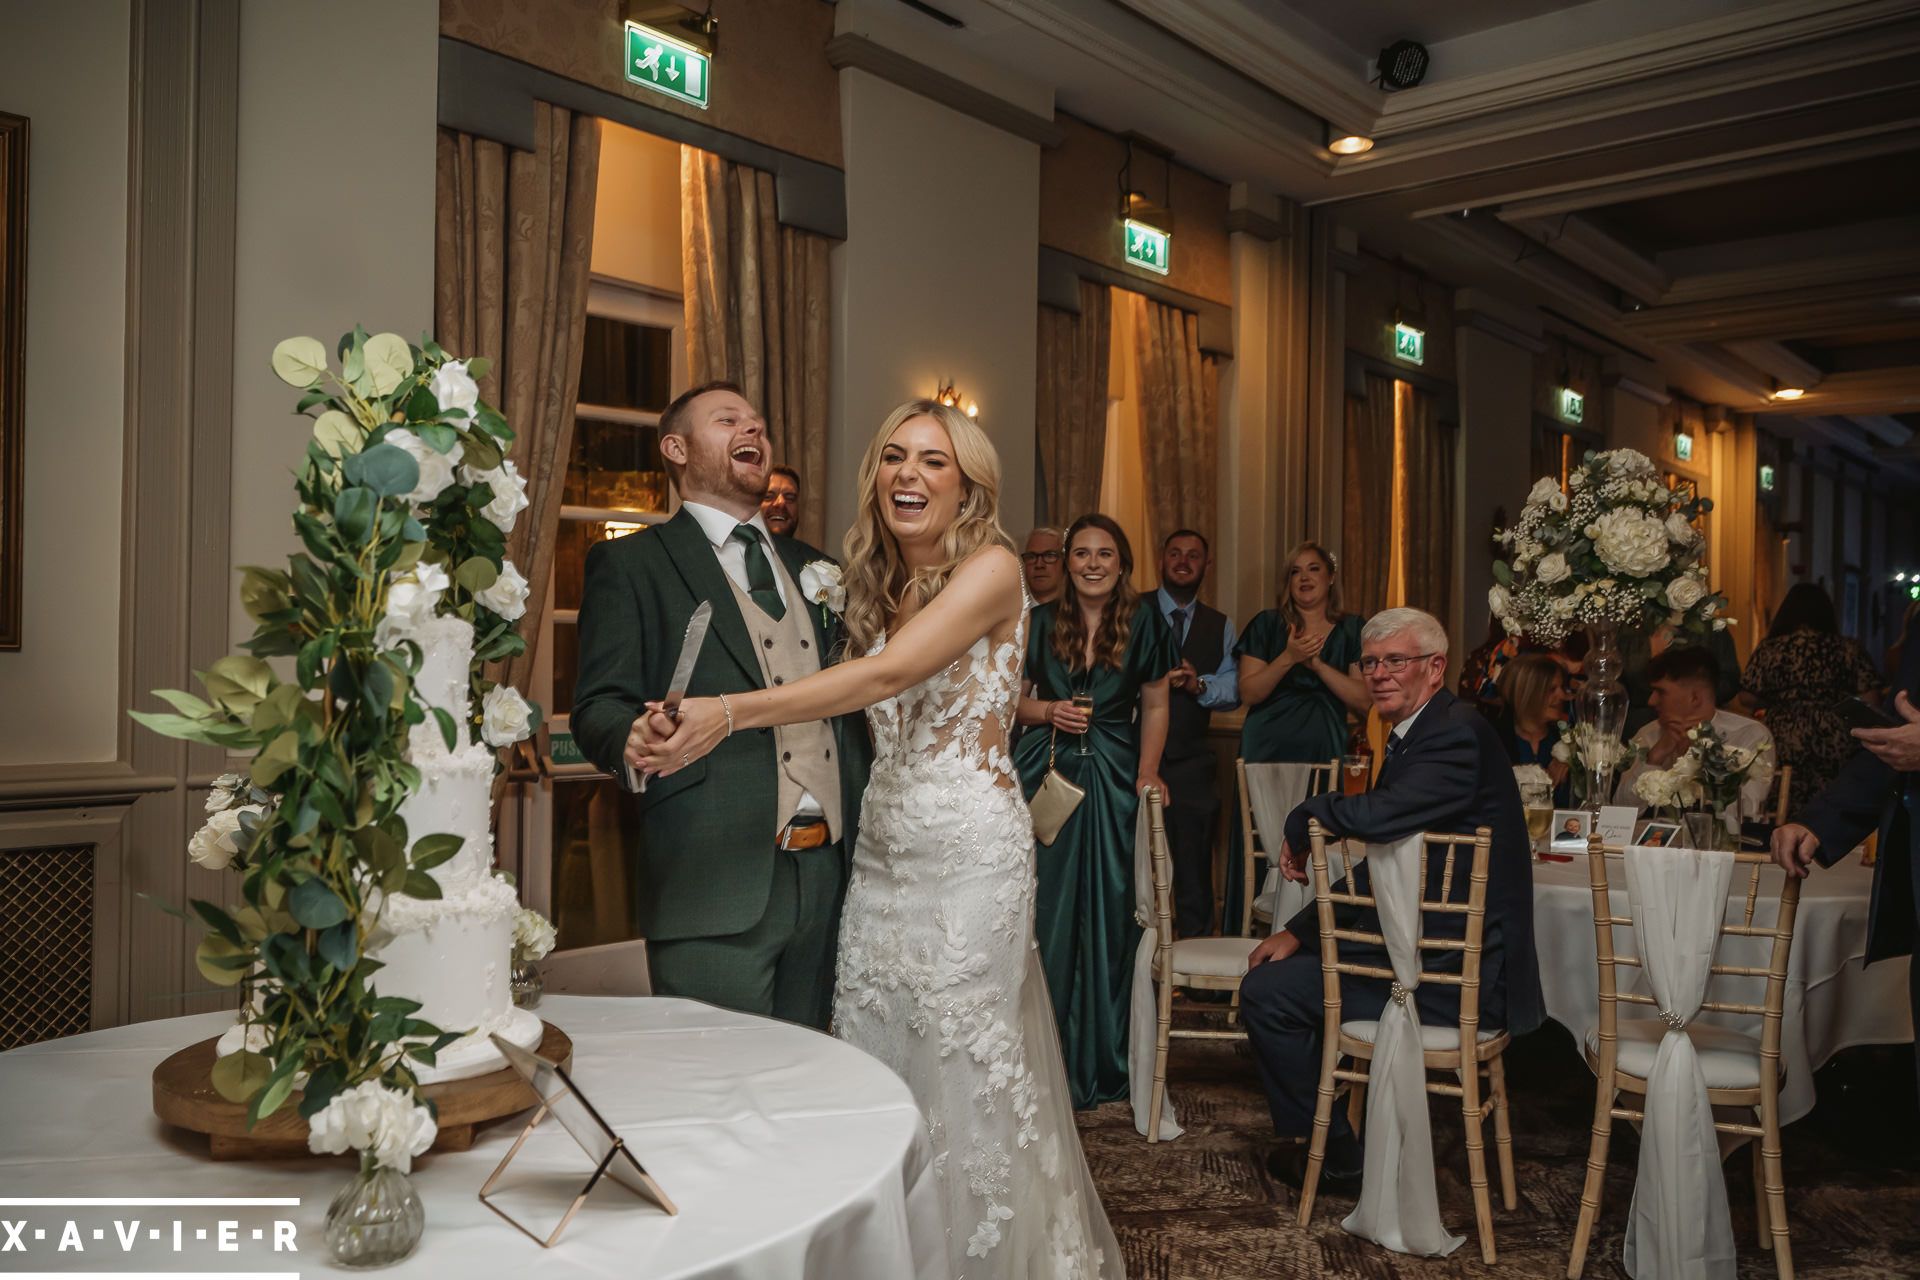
454	388
385	1123
509	493
533	934
505	716
508	594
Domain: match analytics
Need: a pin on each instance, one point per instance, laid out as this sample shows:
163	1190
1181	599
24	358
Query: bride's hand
1146	780
700	729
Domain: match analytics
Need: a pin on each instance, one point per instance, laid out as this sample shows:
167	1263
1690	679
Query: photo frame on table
1657	835
1570	830
562	1099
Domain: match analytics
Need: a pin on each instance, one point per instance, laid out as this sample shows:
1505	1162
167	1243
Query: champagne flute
1083	703
1539	823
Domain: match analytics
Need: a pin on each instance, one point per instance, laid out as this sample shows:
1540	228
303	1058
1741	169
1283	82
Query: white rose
533	934
452	387
1685	592
1499	600
1552	568
820	583
1543	491
411	601
1633	543
436	468
216	846
508	594
1576	479
509	493
1558	501
505	716
226	788
373	1118
1680	530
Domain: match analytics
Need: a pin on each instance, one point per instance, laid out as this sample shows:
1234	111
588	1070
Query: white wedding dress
939	978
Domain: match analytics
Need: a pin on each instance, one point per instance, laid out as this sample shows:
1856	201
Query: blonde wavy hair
1291	611
877	580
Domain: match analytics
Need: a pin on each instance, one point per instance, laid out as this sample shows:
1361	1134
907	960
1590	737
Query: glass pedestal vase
376	1220
527	984
1602	711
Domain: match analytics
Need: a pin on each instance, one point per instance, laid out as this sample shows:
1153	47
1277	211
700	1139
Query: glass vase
376	1220
1603	711
1706	830
527	984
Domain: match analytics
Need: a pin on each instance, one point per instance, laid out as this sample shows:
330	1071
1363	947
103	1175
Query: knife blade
696	636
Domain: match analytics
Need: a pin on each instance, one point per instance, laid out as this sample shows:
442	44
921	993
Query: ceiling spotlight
1402	64
1351	144
1789	393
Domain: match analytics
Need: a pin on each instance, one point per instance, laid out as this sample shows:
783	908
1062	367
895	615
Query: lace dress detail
939	979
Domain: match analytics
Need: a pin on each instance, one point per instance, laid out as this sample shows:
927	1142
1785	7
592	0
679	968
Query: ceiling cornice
1874	391
1588	247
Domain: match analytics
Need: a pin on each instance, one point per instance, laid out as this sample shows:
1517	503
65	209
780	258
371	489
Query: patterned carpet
1203	1208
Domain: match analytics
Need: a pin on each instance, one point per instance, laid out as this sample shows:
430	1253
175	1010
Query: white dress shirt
1736	731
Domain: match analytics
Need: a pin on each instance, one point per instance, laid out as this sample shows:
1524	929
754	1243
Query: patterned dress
1797	678
939	978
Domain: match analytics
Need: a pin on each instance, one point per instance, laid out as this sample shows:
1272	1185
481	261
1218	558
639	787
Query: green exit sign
663	64
1573	405
1410	344
1766	478
1683	446
1147	247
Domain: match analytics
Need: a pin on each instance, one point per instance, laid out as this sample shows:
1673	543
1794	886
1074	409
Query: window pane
627	366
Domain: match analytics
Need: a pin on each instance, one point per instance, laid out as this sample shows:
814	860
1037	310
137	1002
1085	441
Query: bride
938	975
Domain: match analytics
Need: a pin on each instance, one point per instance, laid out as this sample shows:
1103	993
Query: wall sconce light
1683	446
949	395
1789	393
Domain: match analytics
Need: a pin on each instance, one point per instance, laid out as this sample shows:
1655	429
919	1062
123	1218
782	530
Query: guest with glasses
1444	772
1299	677
1040	563
1104	643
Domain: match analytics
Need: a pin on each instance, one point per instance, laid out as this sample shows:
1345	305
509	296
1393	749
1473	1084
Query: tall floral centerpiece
405	502
1617	548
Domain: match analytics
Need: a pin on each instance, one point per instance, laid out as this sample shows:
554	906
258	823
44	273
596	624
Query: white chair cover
1144	1034
1399	1207
1273	790
1680	1225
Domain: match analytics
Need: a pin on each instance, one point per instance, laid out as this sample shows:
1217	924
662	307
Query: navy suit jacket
1449	775
1866	796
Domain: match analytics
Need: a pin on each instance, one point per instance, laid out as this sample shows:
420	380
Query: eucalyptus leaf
315	905
220	962
476	574
388	362
300	362
275	759
353	513
386	469
430	851
339	946
418	884
238	1076
338	434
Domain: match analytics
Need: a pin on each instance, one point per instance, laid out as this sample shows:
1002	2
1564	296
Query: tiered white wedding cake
454	953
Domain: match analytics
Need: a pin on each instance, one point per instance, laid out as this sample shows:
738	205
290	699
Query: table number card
1616	824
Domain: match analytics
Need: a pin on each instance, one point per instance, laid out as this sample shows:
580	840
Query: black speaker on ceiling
1402	64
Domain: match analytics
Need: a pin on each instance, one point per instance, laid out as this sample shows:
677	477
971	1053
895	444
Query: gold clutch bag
1055	800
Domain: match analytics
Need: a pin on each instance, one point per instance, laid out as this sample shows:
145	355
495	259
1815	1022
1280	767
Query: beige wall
1495	471
65	67
1375	291
636	218
334	222
771	80
930	286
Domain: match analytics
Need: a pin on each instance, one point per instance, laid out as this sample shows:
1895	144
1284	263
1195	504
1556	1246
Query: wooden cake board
184	1096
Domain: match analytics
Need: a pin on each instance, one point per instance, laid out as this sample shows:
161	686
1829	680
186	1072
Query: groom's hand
700	728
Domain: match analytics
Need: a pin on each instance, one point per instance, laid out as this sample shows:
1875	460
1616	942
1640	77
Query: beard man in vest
743	857
1203	683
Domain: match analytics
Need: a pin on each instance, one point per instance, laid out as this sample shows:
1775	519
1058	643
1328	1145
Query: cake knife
689	654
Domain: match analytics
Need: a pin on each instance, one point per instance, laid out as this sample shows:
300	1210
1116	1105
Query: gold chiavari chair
1207	964
1467	1053
1256	906
1741	1072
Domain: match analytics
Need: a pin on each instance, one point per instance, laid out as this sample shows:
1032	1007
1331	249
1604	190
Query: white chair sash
1399	1207
1273	791
1679	1225
1144	1033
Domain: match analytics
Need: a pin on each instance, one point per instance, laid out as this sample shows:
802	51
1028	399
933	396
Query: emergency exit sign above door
665	65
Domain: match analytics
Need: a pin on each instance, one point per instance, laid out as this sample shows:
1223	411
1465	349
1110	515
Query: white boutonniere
820	583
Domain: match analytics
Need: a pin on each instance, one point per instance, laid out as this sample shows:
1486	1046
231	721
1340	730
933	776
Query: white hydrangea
1632	542
1630	464
533	934
373	1118
505	716
1655	788
508	594
509	493
436	468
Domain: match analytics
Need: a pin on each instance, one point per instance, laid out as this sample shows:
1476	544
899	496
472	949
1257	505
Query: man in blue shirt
1203	683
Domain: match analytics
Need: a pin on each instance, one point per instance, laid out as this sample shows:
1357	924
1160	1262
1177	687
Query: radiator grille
46	943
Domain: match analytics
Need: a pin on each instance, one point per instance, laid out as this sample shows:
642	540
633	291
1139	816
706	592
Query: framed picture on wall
13	368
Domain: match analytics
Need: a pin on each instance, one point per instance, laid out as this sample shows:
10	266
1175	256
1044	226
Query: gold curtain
1179	417
513	242
1425	501
1367	501
757	309
1071	410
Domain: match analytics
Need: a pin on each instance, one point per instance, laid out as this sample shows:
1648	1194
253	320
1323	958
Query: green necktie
760	583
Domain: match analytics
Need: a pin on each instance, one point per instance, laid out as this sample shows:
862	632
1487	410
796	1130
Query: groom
743	860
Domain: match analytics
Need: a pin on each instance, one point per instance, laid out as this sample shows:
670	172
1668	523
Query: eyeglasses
1394	664
1042	557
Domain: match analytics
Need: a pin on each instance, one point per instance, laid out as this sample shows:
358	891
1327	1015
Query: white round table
789	1154
1833	1001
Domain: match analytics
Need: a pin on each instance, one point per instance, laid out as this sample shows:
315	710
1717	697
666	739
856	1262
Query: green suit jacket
708	831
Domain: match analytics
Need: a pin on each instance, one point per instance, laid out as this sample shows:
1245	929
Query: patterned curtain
1366	524
1425	499
757	309
1179	417
1071	410
513	241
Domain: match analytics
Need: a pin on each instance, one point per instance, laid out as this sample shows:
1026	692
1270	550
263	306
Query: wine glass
1083	703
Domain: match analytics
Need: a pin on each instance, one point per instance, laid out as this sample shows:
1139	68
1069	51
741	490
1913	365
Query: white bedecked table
789	1154
1832	1000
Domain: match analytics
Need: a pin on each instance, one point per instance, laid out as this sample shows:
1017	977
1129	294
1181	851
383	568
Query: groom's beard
719	477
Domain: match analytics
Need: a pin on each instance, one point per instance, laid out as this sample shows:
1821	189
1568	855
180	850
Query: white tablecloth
1833	1001
788	1153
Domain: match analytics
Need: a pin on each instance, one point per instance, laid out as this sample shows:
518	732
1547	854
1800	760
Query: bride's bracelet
728	708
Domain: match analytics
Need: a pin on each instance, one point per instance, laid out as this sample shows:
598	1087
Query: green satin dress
1083	913
1300	722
